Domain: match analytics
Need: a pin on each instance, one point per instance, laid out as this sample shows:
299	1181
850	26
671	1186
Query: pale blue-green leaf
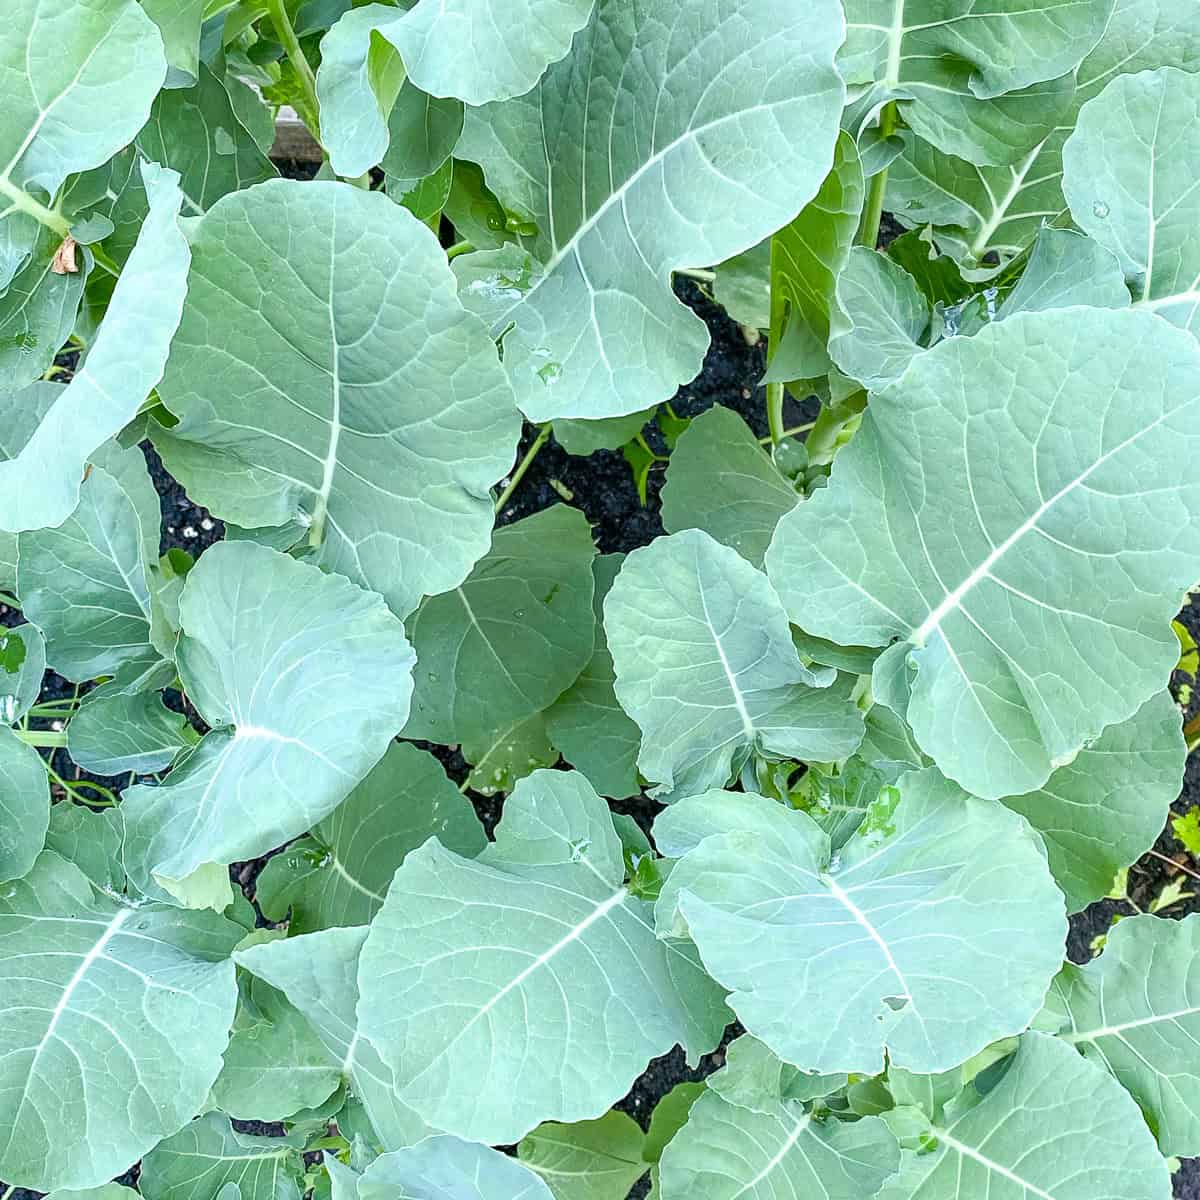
1135	1011
1103	811
179	23
24	805
355	393
209	1155
90	989
511	638
608	433
879	321
589	1160
446	1168
122	734
39	485
586	723
318	972
1128	182
91	841
937	924
743	286
20	687
705	665
508	754
338	875
106	1191
426	198
77	84
1054	1126
533	968
721	480
742	101
275	1064
304	679
755	1078
1030	607
422	132
1065	269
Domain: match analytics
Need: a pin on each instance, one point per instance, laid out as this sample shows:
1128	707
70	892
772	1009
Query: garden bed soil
602	486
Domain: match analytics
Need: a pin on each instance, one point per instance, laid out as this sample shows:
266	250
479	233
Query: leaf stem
1178	865
697	274
868	230
8	1191
775	413
452	252
787	433
42	739
284	31
23	201
9	602
524	465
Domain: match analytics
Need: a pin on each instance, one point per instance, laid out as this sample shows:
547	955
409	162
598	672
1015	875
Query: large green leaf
112	1024
721	480
1105	809
124	733
1028	608
979	210
179	23
590	1160
1053	1127
24	805
532	968
773	1149
318	972
513	637
39	484
1128	181
705	665
722	133
586	723
355	394
1065	268
304	679
209	1154
339	873
1136	1012
937	927
953	69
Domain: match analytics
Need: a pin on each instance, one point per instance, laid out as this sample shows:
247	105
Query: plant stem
523	466
458	248
787	433
41	738
775	412
1177	865
868	230
697	274
9	601
8	1191
277	11
22	200
1191	733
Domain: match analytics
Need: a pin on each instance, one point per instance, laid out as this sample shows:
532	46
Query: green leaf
40	483
86	583
387	449
937	924
22	668
1135	1011
586	722
446	1168
78	80
668	1117
1103	811
1187	830
1065	269
509	754
508	641
590	1160
275	1064
90	841
747	115
721	480
512	966
743	286
427	197
423	132
122	734
772	1149
179	23
209	1155
338	875
1043	544
318	972
304	679
24	805
107	1191
141	998
1052	1126
880	320
1128	185
705	665
610	433
754	1078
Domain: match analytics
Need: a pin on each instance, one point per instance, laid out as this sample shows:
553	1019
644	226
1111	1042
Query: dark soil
602	486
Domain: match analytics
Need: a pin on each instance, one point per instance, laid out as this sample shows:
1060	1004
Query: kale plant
814	778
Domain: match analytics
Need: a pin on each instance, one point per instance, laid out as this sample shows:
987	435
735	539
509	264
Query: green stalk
22	200
523	466
868	230
1191	733
775	412
42	739
284	31
787	433
452	252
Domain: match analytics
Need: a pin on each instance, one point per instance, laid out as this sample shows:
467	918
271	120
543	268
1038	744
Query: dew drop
1100	209
549	372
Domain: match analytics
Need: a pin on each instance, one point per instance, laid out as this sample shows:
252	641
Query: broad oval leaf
24	805
304	678
739	100
447	1168
1135	1011
532	968
1054	1126
937	925
1043	547
1064	269
127	733
91	989
589	1160
355	393
705	665
339	873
